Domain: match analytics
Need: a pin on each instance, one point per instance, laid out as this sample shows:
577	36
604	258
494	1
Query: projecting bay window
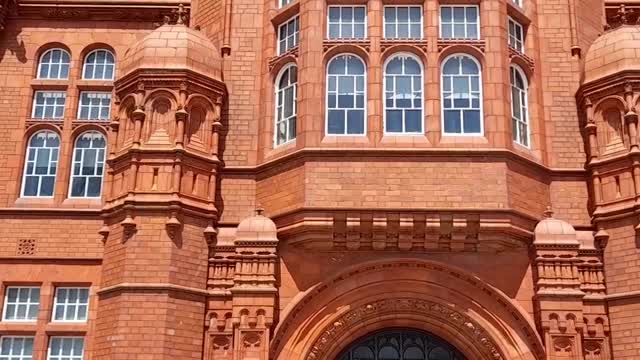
403	22
347	22
346	96
288	35
459	22
516	35
461	96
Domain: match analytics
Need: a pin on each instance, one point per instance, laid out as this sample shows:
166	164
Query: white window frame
90	106
11	355
465	22
80	161
384	98
296	22
29	303
480	94
384	21
353	23
524	108
517	3
26	161
55	106
514	42
326	106
66	304
51	356
295	107
60	64
283	3
105	64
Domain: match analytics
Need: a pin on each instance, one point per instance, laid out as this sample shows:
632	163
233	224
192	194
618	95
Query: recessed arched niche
127	124
611	133
160	127
196	129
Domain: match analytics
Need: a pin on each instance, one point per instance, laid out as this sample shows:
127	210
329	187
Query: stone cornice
112	10
58	212
345	154
608	84
157	287
434	229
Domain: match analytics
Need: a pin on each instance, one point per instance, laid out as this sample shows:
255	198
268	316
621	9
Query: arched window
346	95
99	65
286	107
461	95
41	164
88	165
519	107
54	64
403	95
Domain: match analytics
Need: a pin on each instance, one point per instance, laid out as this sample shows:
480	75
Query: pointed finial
622	14
181	14
259	210
548	213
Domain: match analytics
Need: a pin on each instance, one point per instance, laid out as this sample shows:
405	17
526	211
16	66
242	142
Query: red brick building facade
319	180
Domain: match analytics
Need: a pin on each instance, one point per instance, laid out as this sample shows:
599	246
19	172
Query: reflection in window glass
403	95
41	164
347	22
88	165
402	22
461	95
286	105
346	95
459	22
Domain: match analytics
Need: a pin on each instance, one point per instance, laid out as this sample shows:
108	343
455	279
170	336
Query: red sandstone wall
47	276
622	268
509	272
22	41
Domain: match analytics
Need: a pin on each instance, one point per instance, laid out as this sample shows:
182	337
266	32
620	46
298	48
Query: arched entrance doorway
401	344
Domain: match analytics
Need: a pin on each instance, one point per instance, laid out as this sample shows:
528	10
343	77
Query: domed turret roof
174	47
551	231
616	50
257	228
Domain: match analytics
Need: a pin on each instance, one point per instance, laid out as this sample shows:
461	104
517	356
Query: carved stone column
254	291
558	293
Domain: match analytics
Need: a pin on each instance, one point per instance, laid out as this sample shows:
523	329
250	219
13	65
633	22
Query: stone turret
159	212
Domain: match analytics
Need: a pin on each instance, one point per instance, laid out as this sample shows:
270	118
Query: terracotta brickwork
162	211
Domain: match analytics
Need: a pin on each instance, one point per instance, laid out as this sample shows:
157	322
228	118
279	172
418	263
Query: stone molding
293	316
488	155
320	349
147	11
401	229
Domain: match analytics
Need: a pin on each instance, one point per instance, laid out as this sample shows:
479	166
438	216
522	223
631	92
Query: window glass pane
471	121
355	121
336	123
394	121
452	121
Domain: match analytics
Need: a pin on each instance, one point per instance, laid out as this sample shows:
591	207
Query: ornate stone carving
26	247
445	44
444	313
528	332
592	350
221	342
